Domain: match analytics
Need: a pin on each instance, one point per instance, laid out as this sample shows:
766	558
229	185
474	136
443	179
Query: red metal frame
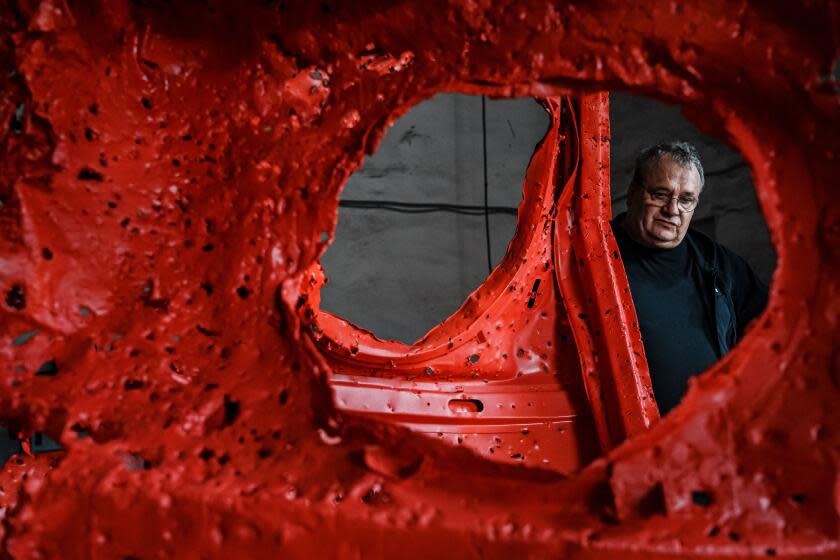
171	170
458	383
595	288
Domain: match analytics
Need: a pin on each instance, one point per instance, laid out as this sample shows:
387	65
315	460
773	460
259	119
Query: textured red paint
166	190
595	289
501	375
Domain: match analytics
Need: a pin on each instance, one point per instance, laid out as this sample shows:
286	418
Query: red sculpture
170	175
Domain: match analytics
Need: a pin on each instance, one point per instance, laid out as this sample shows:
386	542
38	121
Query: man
693	297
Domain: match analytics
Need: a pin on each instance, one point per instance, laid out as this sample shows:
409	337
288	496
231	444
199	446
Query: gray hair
681	152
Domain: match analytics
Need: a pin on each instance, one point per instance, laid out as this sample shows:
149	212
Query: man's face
654	217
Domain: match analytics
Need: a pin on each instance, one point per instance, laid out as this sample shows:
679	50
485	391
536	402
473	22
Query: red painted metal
480	389
596	291
169	178
498	377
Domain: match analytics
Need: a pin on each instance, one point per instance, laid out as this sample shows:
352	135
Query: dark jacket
734	295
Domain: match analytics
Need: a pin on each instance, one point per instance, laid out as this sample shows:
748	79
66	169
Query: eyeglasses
664	198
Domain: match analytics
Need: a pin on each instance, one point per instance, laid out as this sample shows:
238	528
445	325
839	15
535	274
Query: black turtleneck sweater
677	333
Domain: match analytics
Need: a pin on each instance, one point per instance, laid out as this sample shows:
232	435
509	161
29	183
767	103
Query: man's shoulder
713	254
702	243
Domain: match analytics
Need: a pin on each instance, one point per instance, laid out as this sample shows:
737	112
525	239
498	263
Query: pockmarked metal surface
169	179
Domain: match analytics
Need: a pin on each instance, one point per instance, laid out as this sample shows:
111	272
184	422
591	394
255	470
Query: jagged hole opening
411	242
398	270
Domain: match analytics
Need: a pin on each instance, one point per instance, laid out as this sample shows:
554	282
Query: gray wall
400	274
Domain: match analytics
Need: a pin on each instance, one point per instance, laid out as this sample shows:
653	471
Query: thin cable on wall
426	207
486	203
